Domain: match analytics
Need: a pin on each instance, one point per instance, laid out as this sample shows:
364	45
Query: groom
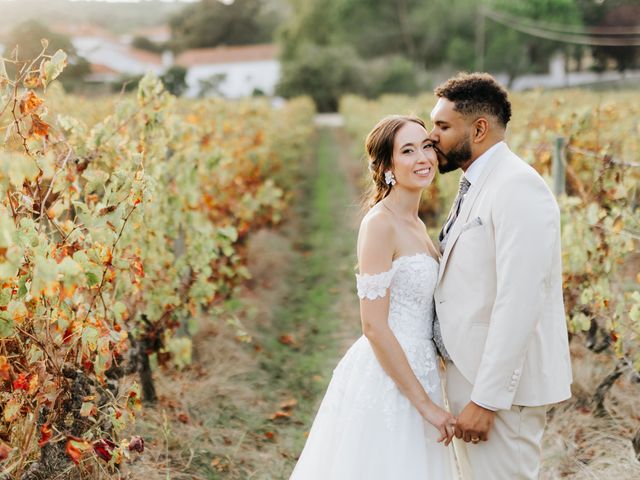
499	295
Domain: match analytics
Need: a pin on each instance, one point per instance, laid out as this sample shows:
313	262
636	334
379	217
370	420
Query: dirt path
242	410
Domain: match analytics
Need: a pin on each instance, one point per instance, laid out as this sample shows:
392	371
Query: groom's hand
474	423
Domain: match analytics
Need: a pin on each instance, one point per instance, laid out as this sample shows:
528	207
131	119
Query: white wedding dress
366	429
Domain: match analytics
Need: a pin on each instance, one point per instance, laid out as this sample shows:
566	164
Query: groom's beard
454	158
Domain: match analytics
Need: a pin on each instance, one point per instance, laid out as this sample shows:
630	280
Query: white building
109	56
232	72
237	71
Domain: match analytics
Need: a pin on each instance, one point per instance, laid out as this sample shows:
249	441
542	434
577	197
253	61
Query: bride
382	416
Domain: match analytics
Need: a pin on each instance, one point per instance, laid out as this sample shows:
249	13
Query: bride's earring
389	178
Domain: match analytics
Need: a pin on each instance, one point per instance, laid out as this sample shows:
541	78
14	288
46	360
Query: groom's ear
480	129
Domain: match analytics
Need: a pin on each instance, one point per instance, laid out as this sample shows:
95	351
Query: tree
175	80
323	72
613	14
210	23
143	43
515	53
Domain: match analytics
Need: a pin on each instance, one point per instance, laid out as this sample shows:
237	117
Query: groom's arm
526	221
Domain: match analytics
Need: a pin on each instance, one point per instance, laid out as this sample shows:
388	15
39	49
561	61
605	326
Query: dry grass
210	418
579	446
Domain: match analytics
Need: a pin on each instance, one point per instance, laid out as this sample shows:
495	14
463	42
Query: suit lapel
467	205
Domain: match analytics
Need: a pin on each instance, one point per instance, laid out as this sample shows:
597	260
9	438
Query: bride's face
414	160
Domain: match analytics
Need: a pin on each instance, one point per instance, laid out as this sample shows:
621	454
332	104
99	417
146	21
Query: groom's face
451	135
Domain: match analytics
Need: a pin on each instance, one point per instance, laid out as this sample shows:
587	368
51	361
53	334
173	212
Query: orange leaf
30	103
4	368
38	126
280	415
286	340
288	404
75	448
45	435
5	450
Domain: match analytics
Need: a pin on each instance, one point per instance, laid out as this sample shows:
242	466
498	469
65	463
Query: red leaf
104	448
22	382
183	417
136	444
5	450
45	435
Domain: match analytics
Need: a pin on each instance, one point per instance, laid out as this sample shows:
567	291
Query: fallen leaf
183	417
288	404
286	339
280	415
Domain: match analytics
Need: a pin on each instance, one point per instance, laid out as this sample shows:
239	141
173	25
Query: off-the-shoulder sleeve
375	285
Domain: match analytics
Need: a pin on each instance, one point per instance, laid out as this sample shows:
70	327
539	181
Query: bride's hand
443	421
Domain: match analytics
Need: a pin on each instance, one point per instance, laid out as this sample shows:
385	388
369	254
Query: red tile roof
144	56
243	53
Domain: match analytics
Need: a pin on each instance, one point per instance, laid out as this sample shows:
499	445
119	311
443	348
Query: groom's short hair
477	93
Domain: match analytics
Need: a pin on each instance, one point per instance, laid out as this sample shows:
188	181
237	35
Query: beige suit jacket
499	293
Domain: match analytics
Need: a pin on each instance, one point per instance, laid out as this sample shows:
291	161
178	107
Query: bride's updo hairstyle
379	147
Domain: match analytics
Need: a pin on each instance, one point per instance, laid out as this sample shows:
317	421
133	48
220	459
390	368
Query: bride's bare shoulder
377	227
377	219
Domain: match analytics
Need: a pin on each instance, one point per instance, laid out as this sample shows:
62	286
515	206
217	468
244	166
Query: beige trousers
513	449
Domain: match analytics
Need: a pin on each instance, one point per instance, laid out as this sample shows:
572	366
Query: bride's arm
375	253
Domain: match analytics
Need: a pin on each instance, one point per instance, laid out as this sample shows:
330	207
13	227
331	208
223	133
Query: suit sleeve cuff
483	405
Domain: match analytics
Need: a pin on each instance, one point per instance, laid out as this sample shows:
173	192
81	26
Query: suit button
517	371
514	377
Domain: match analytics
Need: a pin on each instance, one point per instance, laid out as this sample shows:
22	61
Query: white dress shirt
475	169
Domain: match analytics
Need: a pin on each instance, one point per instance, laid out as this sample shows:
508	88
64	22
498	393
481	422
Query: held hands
474	423
444	422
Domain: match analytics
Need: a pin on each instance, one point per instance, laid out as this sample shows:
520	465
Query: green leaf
92	279
22	287
54	67
90	336
6	325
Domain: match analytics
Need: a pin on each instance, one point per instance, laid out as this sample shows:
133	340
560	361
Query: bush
393	74
325	73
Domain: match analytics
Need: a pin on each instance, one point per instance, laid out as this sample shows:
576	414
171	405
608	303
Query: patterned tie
453	214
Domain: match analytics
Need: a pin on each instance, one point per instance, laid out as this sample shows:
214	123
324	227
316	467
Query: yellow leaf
11	410
618	224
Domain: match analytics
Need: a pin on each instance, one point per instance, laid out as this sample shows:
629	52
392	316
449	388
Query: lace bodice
411	282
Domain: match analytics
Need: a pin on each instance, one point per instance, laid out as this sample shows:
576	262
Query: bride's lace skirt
367	429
